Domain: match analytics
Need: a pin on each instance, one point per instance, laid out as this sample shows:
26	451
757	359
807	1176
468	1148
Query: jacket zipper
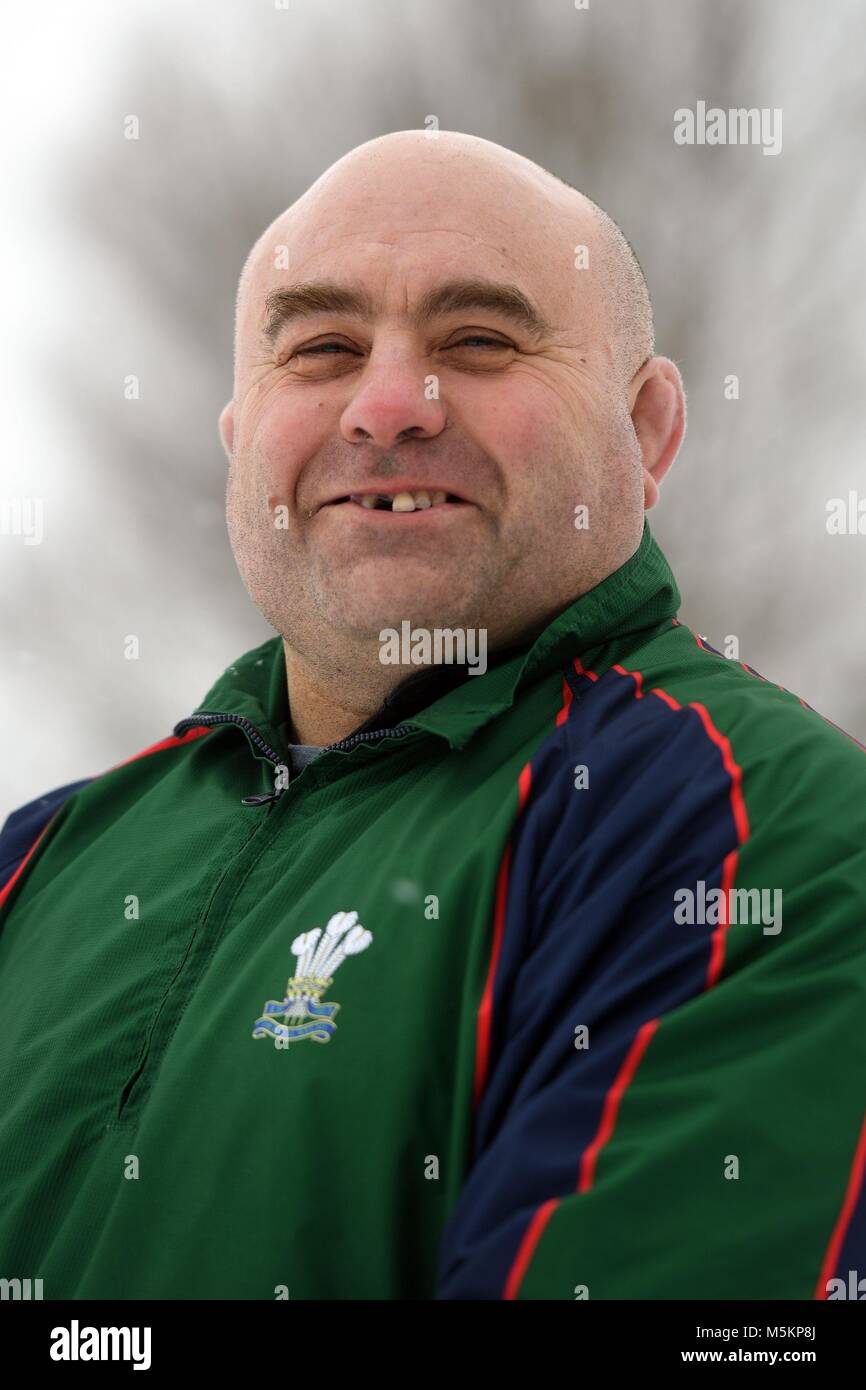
197	721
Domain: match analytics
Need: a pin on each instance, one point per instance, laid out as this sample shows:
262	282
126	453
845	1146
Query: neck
325	709
328	705
322	711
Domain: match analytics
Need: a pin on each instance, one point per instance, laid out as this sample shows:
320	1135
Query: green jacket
553	989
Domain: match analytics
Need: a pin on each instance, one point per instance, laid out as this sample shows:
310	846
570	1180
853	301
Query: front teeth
403	501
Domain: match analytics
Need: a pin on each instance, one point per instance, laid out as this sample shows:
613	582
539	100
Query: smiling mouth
422	500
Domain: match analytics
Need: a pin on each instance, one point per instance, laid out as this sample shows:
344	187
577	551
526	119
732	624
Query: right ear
227	427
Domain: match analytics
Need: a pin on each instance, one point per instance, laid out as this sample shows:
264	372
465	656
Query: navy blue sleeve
23	827
588	941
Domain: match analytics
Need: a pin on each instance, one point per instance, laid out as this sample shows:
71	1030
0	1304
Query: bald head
610	262
624	286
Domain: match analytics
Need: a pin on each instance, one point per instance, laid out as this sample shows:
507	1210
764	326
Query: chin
421	609
427	599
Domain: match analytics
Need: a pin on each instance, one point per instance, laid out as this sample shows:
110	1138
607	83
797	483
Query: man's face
521	420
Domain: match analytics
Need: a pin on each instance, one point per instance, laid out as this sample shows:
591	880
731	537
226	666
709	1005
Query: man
572	925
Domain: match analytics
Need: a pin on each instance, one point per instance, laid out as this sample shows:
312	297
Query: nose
395	400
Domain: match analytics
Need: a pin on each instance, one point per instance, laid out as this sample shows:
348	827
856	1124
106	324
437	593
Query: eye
321	349
472	339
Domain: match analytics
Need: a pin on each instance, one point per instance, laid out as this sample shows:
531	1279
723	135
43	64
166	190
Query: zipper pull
262	798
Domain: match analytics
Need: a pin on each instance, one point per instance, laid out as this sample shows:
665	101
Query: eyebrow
328	297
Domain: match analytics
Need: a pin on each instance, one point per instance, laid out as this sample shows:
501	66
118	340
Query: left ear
657	403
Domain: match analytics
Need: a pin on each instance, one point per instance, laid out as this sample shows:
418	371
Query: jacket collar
600	626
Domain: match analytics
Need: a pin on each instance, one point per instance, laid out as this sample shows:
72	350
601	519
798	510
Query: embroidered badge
319	953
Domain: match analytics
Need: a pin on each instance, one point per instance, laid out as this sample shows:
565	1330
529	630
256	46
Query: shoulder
23	827
674	733
795	783
768	730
